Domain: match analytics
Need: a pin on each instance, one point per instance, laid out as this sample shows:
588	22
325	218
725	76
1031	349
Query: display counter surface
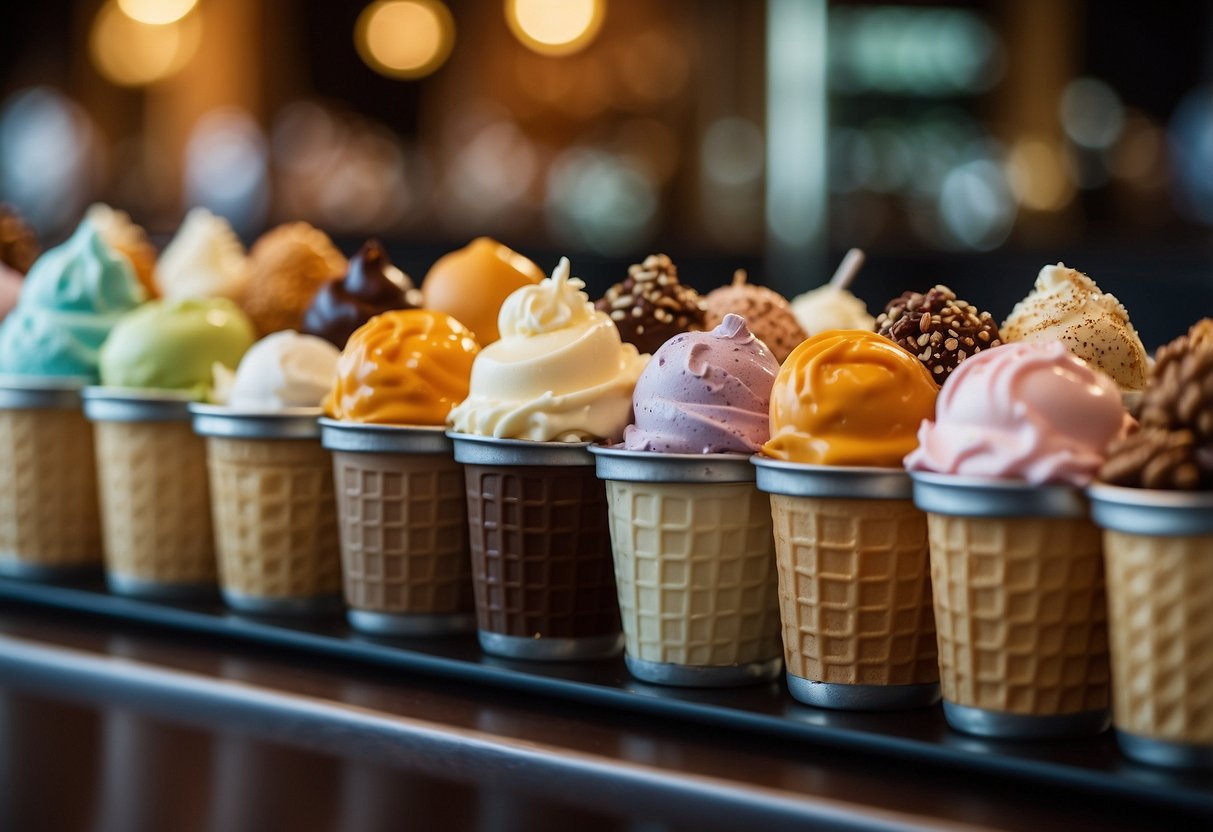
580	742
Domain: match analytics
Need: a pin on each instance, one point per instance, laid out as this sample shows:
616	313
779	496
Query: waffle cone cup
695	570
1021	613
155	502
49	518
1160	593
854	590
541	552
404	532
275	517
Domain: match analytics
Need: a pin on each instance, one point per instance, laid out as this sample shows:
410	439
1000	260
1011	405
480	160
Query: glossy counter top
110	726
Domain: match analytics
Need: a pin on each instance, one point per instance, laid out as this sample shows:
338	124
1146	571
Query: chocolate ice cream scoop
650	306
1174	448
370	287
767	313
18	245
939	328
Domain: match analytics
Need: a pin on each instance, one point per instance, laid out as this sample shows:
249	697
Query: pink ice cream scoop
1025	411
705	393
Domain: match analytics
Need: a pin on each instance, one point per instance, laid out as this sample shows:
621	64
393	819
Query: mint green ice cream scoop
73	296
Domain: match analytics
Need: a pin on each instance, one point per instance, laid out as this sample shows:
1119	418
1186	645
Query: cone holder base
410	624
266	605
1002	725
1165	753
701	676
838	697
157	590
550	649
14	567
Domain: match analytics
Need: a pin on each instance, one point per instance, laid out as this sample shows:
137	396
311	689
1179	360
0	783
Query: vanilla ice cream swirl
559	373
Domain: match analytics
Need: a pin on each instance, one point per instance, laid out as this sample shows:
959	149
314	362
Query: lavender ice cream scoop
705	393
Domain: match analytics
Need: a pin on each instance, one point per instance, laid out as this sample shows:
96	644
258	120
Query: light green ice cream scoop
174	345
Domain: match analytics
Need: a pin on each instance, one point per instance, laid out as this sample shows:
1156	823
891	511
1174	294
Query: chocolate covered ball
650	306
937	327
767	313
371	286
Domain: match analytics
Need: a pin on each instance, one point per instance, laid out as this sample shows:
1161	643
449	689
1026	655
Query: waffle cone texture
541	551
155	502
1160	593
275	517
404	533
854	590
1021	612
48	489
695	570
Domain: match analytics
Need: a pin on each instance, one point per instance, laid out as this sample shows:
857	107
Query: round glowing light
404	38
134	54
555	27
1036	172
156	12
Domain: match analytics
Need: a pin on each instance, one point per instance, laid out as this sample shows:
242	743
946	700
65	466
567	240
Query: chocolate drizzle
371	286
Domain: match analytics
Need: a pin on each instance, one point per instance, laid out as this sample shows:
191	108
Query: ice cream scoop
939	328
766	312
73	295
174	345
829	307
18	243
1027	411
128	239
282	370
1174	448
705	393
650	305
405	367
371	286
204	260
473	282
1067	306
848	397
287	266
10	290
560	371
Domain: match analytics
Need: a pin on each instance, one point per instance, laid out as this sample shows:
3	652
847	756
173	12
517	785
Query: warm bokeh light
555	27
405	38
156	12
1037	175
133	54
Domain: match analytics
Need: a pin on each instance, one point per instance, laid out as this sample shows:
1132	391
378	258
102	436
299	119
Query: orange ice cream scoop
849	397
473	282
407	367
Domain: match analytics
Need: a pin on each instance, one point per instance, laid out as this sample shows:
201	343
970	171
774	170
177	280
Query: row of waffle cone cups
708	567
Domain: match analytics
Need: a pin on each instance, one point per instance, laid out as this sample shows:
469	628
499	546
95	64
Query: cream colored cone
155	503
404	533
48	490
1160	599
854	590
275	517
695	570
1021	612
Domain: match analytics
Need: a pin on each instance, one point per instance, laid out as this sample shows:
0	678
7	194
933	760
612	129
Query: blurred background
965	143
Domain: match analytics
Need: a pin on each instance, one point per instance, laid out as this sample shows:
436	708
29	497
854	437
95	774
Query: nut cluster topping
18	245
650	306
938	328
1174	448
